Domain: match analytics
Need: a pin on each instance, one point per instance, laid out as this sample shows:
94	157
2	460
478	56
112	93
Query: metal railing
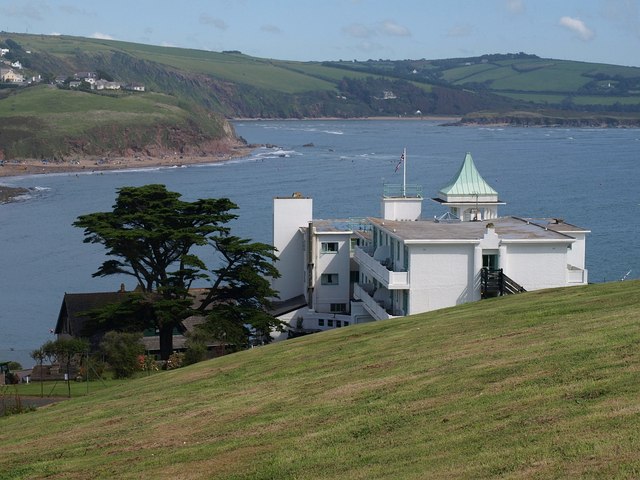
408	191
494	283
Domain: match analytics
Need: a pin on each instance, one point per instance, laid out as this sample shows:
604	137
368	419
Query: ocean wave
21	198
269	153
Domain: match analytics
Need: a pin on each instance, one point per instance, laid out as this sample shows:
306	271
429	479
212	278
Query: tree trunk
166	342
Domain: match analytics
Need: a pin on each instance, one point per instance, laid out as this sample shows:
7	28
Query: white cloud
101	36
578	27
387	27
206	19
73	10
515	6
390	27
460	31
358	30
55	34
271	29
30	9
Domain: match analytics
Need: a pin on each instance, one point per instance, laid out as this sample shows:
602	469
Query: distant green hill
542	385
230	84
239	85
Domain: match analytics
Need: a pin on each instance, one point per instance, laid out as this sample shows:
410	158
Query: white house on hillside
336	273
10	76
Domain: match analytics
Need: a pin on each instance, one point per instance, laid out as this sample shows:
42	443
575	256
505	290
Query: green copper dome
468	184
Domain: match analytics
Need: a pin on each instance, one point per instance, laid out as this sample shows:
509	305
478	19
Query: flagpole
404	173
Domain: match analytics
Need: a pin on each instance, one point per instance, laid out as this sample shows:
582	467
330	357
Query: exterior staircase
494	283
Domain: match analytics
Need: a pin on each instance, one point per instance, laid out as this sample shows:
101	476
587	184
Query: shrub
121	351
195	352
147	363
176	360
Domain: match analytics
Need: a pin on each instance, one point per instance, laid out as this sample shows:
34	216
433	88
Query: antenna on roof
404	172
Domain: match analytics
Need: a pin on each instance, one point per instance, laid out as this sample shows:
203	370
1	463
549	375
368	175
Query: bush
147	363
195	352
176	360
121	351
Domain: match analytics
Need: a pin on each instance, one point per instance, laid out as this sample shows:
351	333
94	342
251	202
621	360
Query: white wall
576	255
289	214
439	276
401	208
339	263
536	266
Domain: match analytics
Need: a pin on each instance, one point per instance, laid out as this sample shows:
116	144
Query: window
329	323
338	307
321	322
329	279
345	323
329	247
338	323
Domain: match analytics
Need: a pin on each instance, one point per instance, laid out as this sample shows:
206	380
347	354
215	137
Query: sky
602	31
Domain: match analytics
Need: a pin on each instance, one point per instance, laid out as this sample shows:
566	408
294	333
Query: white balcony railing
390	279
576	275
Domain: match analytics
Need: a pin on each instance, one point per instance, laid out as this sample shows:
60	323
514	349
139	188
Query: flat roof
508	228
557	224
333	226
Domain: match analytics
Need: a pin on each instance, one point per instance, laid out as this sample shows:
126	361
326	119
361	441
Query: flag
400	162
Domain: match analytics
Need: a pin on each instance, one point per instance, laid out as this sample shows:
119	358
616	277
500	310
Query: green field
47	119
539	385
260	73
577	100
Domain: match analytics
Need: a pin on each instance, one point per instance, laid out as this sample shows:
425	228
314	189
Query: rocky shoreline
7	194
31	167
545	120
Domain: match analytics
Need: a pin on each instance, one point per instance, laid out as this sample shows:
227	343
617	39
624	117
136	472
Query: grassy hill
47	122
240	85
543	384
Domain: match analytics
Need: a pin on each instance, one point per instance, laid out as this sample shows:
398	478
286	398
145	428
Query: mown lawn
543	385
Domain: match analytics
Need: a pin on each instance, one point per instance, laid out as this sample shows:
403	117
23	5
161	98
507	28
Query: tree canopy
151	233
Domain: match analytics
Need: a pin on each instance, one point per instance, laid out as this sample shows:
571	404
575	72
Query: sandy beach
96	164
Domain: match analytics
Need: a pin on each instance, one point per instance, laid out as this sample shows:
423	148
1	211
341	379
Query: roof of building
467	182
74	305
333	226
557	224
508	228
72	318
288	305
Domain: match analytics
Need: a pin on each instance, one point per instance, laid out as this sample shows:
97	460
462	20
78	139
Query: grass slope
543	385
45	121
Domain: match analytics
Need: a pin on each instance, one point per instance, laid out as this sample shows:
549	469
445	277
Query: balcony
392	280
374	307
576	276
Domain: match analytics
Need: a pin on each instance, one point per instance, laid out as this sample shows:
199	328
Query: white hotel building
336	273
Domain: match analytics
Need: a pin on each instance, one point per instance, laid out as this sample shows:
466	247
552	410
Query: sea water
589	177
